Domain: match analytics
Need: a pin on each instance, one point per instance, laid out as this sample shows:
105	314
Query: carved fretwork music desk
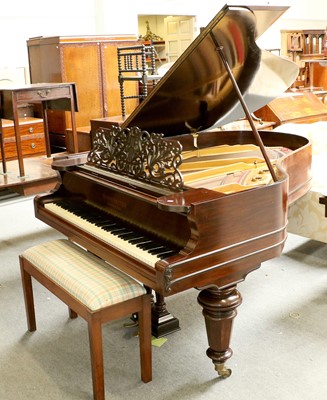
51	96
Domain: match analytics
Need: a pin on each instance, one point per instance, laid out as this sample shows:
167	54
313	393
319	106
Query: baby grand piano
178	203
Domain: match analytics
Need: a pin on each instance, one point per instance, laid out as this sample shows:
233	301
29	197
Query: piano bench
93	289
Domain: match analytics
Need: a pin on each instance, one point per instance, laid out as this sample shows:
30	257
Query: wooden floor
39	176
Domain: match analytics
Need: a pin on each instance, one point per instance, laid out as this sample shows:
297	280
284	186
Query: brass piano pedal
223	371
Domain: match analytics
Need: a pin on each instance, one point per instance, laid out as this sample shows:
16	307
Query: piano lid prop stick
219	50
194	133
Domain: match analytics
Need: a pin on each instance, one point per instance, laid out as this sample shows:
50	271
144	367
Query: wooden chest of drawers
32	137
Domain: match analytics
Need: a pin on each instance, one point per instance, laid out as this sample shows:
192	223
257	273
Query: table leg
311	76
46	129
17	137
73	120
2	147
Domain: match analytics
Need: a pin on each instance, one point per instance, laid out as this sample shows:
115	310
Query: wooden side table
2	149
51	96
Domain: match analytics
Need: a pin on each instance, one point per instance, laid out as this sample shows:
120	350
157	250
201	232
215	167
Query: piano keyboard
113	231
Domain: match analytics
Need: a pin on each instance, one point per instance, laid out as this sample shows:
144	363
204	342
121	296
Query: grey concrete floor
279	338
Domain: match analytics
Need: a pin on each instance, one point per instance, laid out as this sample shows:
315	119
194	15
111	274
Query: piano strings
229	169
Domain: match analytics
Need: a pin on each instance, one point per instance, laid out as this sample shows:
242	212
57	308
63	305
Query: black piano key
166	253
107	225
126	235
141	239
149	246
98	220
118	230
95	216
157	250
143	244
131	235
108	228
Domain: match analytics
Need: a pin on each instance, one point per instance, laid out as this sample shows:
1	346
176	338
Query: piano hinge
194	133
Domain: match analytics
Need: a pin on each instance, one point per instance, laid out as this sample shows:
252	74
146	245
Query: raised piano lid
197	92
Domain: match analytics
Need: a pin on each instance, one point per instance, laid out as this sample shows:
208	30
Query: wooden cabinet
306	48
302	44
31	135
88	61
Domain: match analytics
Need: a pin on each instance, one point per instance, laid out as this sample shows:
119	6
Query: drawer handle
43	93
31	130
33	145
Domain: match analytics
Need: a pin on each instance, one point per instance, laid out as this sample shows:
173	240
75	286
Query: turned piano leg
219	311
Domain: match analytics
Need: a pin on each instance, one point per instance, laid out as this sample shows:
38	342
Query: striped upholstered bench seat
93	289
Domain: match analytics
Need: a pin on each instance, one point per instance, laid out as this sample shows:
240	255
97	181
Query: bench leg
144	320
95	338
72	313
28	296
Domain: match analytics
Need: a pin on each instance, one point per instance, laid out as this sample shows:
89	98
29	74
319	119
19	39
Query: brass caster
131	324
223	371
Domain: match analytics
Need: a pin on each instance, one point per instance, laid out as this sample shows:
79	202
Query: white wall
21	20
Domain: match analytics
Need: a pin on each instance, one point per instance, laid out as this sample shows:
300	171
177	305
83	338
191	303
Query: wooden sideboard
91	63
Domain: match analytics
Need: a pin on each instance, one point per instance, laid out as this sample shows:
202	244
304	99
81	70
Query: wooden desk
297	107
51	96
